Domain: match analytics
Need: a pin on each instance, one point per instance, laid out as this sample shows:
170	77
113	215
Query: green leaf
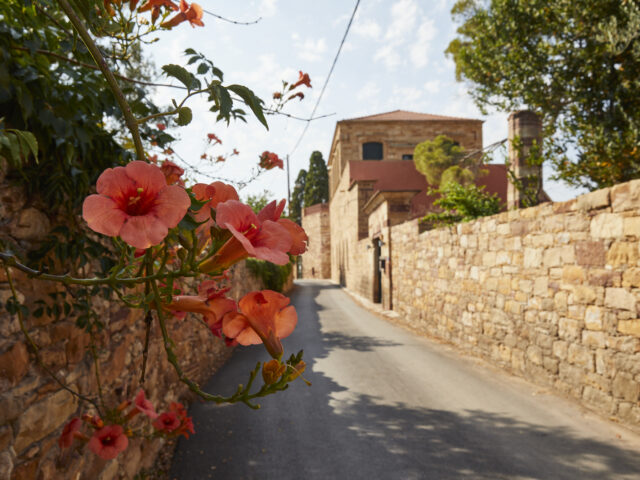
184	116
28	139
203	68
183	75
254	103
188	223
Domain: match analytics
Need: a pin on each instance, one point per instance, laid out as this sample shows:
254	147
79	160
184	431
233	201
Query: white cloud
267	8
403	20
311	50
432	86
419	51
367	28
388	55
368	91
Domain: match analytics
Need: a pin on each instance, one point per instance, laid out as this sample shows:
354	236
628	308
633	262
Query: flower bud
272	371
297	371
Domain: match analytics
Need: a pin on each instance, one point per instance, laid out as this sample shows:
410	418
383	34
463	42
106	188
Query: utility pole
288	189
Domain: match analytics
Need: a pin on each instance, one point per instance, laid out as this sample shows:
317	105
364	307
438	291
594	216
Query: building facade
374	185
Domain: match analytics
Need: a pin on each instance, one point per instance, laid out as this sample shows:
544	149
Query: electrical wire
335	60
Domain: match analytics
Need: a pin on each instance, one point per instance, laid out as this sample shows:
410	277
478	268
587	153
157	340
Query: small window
407	156
372	151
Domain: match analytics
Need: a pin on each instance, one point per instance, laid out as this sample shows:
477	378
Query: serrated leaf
185	115
183	75
254	103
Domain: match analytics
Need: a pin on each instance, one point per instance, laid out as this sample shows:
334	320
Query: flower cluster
109	439
269	160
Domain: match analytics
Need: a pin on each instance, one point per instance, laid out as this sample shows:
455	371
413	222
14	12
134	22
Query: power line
220	17
335	60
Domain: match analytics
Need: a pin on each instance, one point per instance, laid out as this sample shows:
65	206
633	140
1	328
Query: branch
104	68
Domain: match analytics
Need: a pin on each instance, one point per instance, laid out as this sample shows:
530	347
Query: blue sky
393	59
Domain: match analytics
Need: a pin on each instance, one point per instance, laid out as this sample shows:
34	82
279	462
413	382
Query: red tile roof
403	115
398	176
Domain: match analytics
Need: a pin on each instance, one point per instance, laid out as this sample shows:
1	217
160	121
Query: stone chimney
525	180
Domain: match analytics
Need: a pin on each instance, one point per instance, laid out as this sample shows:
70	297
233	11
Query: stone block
607	225
44	417
560	349
598	398
604	363
560	301
532	257
489	259
569	329
582	294
631	277
619	298
624	386
625	196
593	200
14	363
593	339
629	327
557	256
573	274
622	253
581	356
534	354
604	278
632	226
550	364
593	318
31	224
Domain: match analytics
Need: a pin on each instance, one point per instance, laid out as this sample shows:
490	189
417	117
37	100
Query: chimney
525	178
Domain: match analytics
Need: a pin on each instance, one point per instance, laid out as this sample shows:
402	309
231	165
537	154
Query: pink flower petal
147	176
103	215
237	214
143	231
298	236
272	210
286	321
244	241
171	205
114	182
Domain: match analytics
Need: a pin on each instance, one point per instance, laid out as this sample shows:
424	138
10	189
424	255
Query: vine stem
108	75
10	260
36	349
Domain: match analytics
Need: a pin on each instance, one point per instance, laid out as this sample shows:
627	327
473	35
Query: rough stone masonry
550	293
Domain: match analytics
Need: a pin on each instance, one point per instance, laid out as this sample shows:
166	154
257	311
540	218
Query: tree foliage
442	159
316	188
576	62
297	197
258	201
462	203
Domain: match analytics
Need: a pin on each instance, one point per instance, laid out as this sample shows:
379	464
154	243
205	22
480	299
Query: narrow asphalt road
386	404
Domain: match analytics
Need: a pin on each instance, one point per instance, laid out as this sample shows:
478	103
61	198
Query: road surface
386	404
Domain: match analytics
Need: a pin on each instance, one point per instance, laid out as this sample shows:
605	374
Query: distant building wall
316	262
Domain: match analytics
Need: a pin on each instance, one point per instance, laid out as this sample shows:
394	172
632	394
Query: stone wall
316	262
34	408
549	293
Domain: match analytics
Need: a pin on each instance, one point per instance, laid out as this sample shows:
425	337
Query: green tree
297	197
316	188
442	158
258	201
576	62
462	203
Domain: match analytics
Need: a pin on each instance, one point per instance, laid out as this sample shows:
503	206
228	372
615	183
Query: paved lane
386	404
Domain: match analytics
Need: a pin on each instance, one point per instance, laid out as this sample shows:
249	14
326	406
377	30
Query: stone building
316	224
374	185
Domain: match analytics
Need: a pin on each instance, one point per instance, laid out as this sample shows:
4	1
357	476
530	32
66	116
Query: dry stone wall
550	293
33	408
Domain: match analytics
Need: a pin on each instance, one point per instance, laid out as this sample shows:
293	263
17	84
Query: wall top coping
318	207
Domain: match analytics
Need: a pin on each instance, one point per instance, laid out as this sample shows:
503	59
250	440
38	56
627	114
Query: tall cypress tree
316	189
297	198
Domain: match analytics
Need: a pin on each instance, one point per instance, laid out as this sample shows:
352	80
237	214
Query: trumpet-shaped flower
135	203
266	240
211	303
299	239
266	318
172	172
303	79
69	432
108	442
191	13
143	405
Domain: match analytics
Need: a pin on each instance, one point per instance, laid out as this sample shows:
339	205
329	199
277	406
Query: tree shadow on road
328	432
